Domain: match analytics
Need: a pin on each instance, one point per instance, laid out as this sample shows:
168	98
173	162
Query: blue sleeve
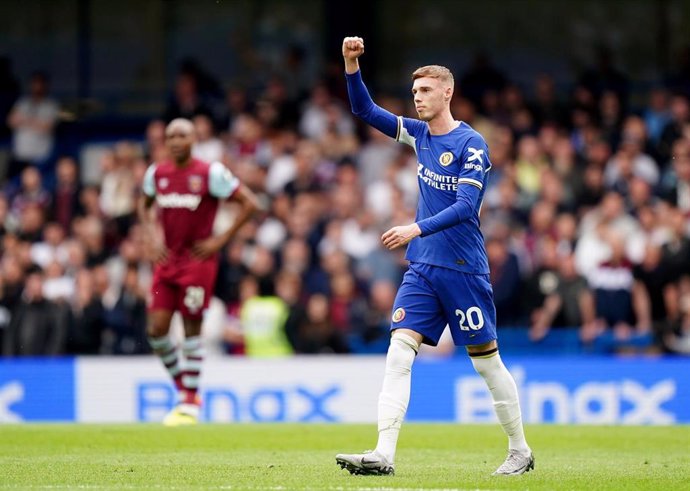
474	166
474	163
461	210
364	107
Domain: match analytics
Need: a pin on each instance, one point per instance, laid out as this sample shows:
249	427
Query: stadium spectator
30	192
66	193
32	120
315	333
31	223
610	117
231	270
676	185
546	107
676	251
51	248
375	156
263	316
539	233
321	112
248	141
58	286
630	159
119	187
85	317
186	101
347	308
505	279
126	320
674	129
306	164
37	326
568	302
657	280
277	108
656	115
207	146
371	334
236	103
529	165
154	148
620	302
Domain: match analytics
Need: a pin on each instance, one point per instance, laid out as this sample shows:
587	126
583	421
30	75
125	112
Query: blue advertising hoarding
559	390
37	389
582	390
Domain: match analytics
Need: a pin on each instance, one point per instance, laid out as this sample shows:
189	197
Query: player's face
430	97
179	142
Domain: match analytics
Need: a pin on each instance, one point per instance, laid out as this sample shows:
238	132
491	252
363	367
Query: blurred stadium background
585	106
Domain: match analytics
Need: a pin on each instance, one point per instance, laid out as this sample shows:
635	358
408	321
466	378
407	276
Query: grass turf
285	457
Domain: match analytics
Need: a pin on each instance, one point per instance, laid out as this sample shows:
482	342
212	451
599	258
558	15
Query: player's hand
207	247
353	47
401	235
159	254
155	251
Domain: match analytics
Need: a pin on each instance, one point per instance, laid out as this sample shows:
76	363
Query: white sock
395	393
505	396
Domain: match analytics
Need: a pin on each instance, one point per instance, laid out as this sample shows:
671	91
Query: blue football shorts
431	297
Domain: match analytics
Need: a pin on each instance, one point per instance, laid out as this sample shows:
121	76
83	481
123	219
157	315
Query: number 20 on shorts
473	316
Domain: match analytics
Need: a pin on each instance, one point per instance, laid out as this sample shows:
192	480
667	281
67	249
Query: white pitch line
229	487
119	486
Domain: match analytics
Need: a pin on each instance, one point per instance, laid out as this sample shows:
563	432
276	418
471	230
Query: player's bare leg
393	401
487	362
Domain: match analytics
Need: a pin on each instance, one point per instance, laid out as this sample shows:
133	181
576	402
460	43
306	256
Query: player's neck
183	162
442	124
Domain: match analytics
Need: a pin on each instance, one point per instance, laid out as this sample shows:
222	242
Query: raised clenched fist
353	47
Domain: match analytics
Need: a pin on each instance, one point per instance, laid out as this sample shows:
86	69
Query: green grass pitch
300	457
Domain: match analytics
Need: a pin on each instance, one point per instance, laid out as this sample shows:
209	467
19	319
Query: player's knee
406	340
156	329
401	353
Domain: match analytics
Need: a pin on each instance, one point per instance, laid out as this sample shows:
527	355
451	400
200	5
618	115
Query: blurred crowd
586	217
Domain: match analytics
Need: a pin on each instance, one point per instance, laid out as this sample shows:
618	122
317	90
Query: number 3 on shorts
474	318
194	298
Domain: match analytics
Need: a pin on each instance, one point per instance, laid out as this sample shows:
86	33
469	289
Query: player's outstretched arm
360	100
249	204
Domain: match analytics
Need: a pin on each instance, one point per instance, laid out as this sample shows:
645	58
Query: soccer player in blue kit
448	277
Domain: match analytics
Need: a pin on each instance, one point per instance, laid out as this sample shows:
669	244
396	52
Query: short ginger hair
434	71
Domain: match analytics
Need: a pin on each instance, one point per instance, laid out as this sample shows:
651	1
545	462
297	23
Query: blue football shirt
445	163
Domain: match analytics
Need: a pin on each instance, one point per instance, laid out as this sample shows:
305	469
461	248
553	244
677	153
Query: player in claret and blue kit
447	282
186	193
